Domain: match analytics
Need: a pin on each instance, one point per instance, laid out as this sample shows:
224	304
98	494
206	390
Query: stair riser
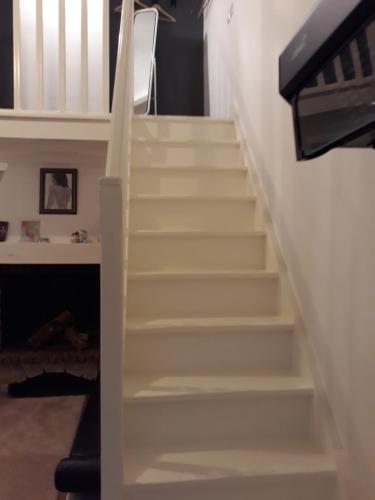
220	419
294	487
204	297
187	182
184	131
185	253
169	155
192	215
209	353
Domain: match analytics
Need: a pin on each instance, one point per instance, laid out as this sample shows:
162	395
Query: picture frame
58	191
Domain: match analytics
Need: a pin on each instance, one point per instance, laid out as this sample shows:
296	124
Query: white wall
323	210
19	200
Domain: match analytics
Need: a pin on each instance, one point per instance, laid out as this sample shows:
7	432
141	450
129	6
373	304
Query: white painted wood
49	253
213	417
152	389
84	58
112	336
62	56
192	213
178	119
16	54
185	153
199	295
182	181
205	314
193	251
283	470
106	56
39	55
214	345
183	129
49	125
114	225
119	147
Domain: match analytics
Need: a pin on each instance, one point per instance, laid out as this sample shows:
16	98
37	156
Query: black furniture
79	474
327	74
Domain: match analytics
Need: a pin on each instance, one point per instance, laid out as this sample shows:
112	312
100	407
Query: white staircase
215	408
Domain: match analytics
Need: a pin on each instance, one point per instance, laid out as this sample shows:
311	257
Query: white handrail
114	196
122	105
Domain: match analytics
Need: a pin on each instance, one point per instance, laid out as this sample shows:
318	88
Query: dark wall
6	54
179	58
32	295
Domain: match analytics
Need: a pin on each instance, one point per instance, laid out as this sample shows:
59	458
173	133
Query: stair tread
217	323
235	460
236	169
231	143
221	198
238	274
211	234
150	388
207	120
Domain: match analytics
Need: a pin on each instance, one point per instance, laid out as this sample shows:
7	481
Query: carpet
34	435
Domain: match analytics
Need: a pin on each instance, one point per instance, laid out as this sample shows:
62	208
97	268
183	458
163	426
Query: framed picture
58	191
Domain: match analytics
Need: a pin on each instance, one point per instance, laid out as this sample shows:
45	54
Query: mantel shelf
49	253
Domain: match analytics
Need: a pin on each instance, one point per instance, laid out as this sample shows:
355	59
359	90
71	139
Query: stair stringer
324	426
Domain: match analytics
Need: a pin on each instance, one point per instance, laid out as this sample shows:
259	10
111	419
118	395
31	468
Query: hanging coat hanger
137	2
163	14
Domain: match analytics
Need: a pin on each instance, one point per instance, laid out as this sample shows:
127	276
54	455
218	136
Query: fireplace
32	295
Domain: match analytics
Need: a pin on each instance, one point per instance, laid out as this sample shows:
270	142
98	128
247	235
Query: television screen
336	107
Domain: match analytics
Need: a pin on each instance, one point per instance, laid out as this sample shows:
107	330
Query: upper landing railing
61	55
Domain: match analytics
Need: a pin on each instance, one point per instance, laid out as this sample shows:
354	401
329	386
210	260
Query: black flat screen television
327	74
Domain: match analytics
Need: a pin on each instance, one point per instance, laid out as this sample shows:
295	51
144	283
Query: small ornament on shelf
80	236
3	230
30	231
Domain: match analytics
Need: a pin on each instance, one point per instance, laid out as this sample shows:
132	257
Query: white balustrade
61	55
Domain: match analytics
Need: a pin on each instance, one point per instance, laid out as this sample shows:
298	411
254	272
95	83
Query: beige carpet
35	434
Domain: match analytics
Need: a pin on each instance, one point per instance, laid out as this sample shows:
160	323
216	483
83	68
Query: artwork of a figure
59	191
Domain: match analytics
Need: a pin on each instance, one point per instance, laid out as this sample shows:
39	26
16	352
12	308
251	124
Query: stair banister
114	196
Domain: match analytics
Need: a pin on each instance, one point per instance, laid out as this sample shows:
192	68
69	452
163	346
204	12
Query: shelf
49	253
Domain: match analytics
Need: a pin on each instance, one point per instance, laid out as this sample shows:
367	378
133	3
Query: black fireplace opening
33	295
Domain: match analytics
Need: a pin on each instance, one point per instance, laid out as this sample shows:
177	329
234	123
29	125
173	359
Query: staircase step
283	470
189	180
192	213
193	251
148	389
214	325
202	294
179	153
216	409
195	346
180	128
